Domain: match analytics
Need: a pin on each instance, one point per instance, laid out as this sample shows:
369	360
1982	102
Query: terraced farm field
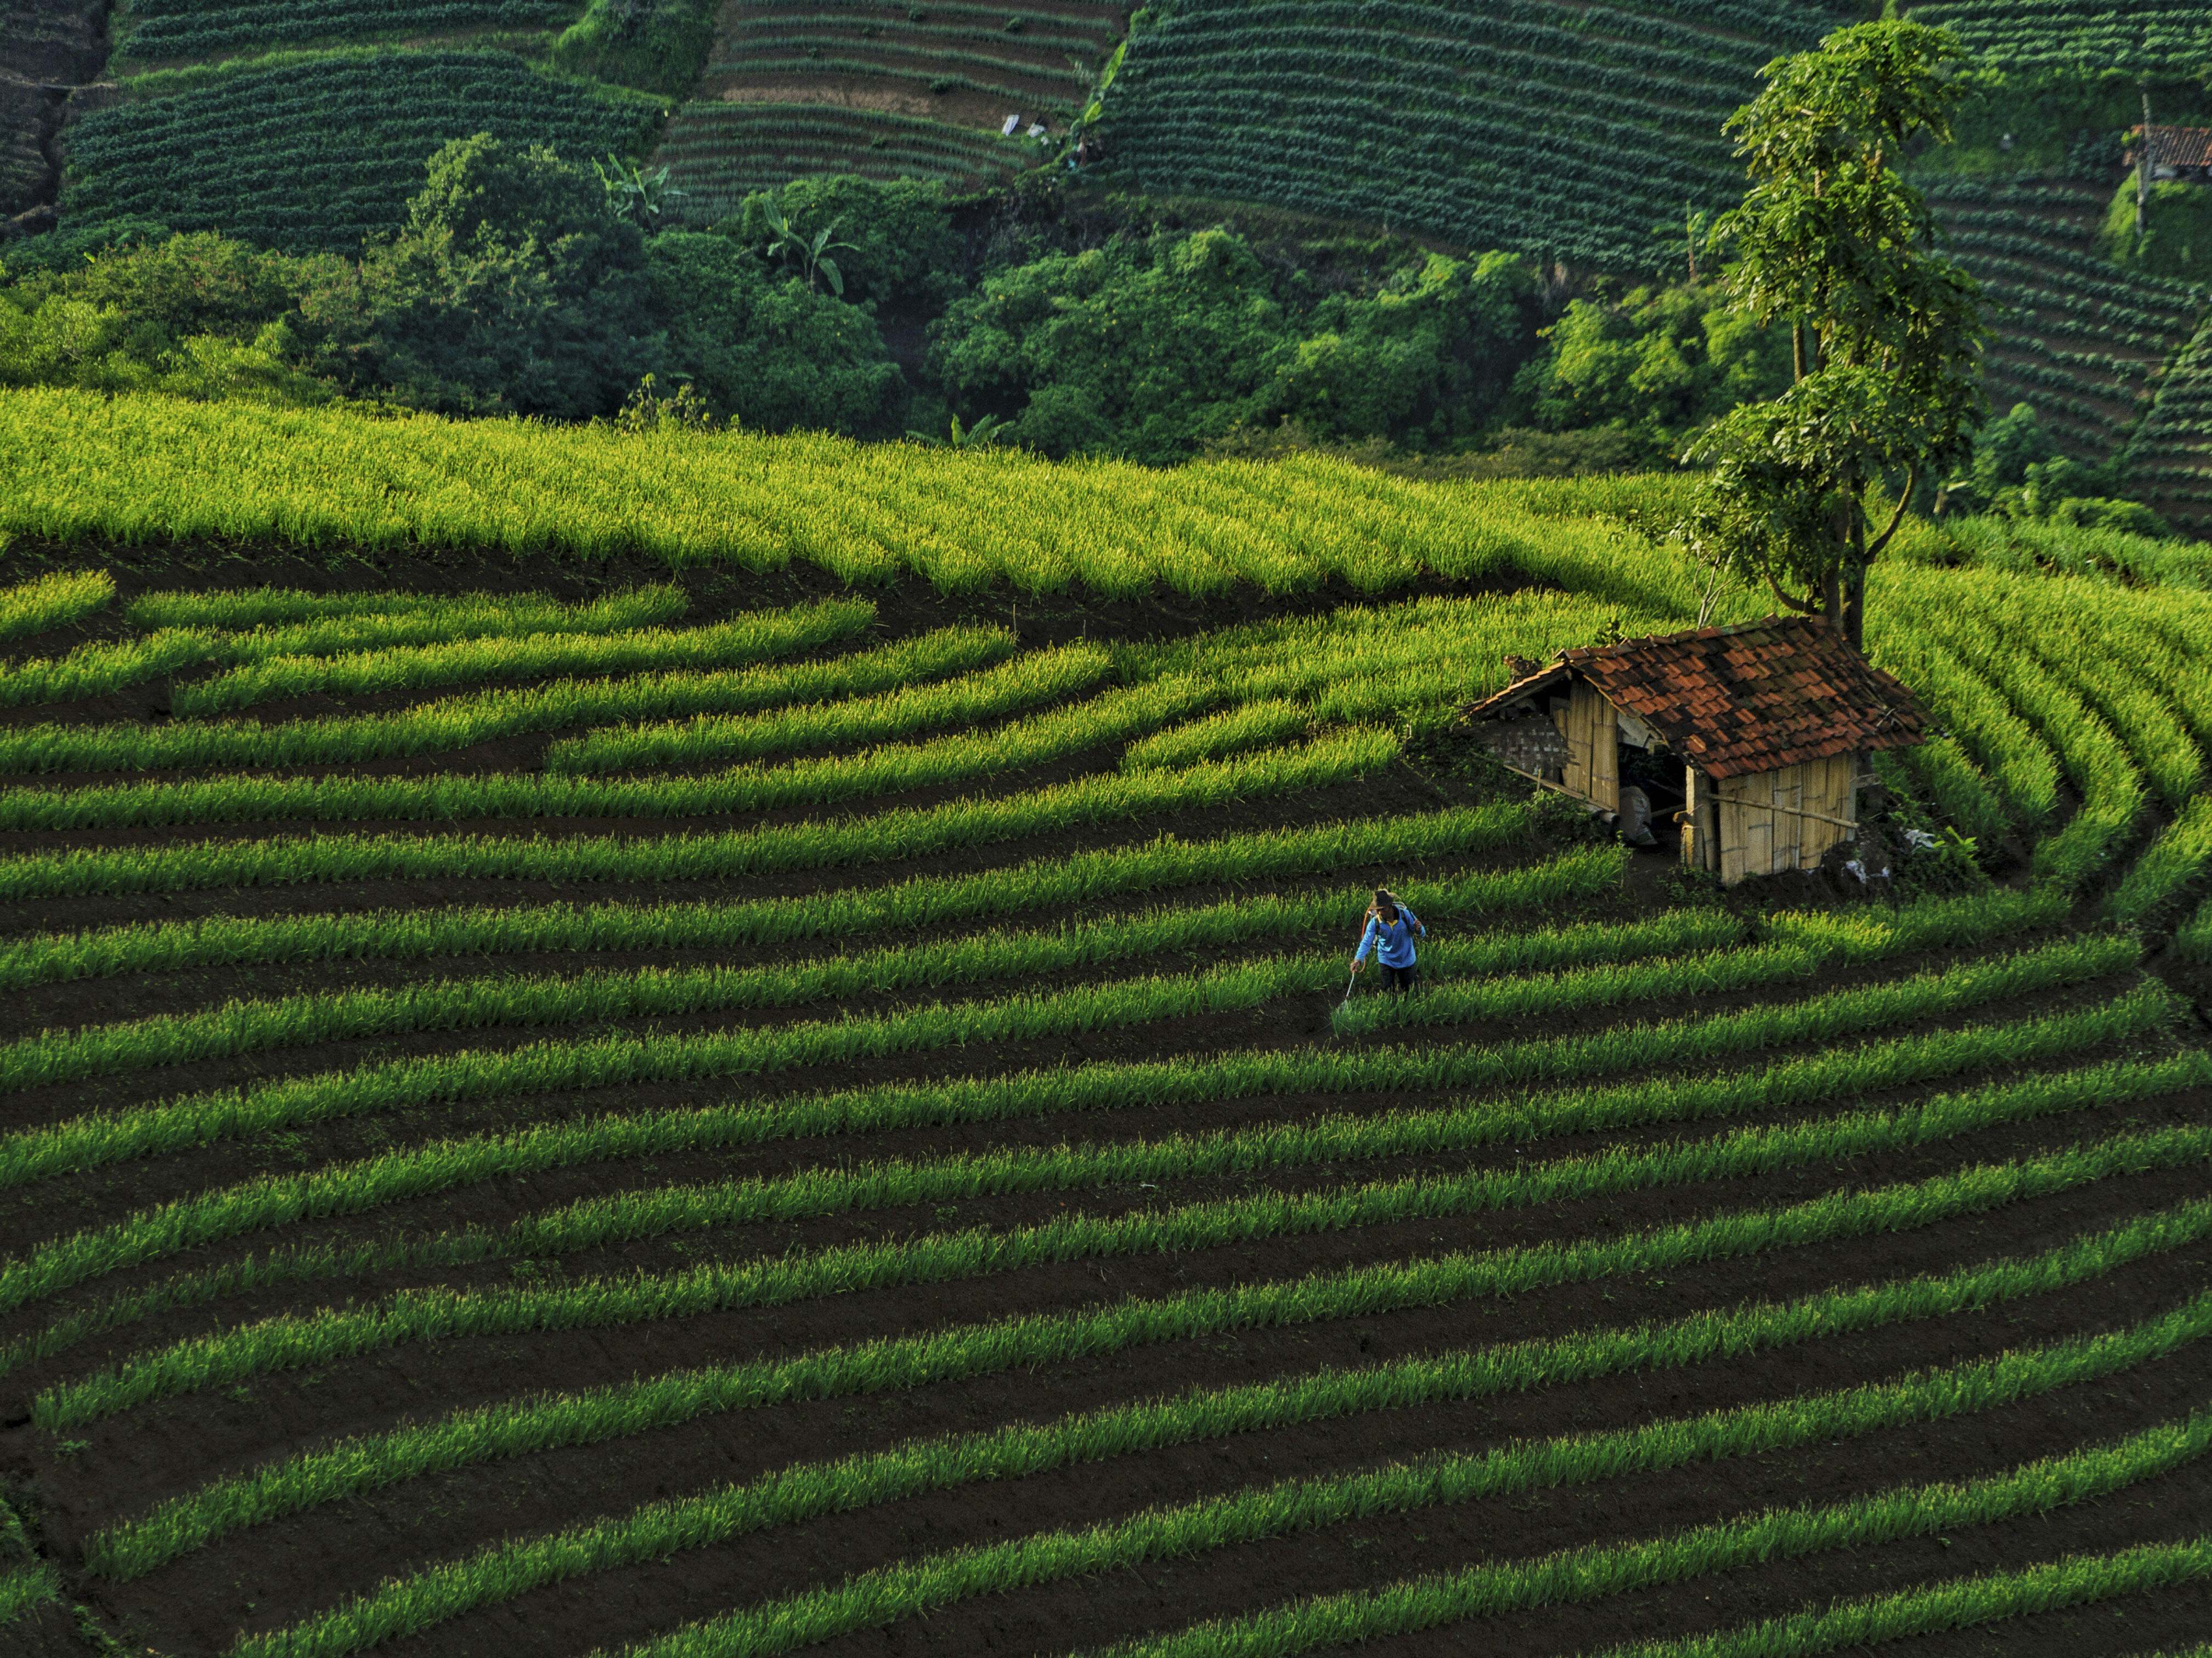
2087	341
306	127
2028	39
1563	131
799	88
2170	454
657	1106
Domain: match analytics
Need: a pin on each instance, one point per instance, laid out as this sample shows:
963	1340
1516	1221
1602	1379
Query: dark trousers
1401	978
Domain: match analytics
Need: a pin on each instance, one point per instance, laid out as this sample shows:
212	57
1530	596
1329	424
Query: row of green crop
1958	1603
2172	864
1350	676
804	1491
882	837
2168	452
24	1589
243	1027
2088	40
1587	1573
995	70
1248	726
1114	717
291	1342
782	1048
96	669
1029	888
1040	676
536	1424
2017	762
234	608
744	638
1837	1215
192	28
1944	606
484	716
1653	67
780	28
1577	967
26	1583
2110	664
289	1103
53	601
1466	148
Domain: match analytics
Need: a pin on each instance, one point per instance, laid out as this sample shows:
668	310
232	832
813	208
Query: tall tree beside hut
1833	244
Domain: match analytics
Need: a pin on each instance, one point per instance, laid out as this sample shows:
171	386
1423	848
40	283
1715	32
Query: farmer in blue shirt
1390	929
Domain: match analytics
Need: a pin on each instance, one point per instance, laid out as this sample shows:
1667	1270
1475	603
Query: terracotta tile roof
2179	146
1750	698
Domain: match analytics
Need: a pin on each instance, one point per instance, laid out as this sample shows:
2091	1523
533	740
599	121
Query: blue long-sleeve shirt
1395	941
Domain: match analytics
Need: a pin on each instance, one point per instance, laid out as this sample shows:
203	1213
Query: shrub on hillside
660	45
761	347
194	316
901	245
2017	471
2177	234
1655	363
1157	347
515	288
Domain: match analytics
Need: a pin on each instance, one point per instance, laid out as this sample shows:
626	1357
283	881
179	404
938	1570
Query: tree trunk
2143	174
1853	581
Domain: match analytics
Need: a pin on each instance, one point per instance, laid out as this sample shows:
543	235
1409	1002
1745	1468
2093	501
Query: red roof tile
1752	698
2178	146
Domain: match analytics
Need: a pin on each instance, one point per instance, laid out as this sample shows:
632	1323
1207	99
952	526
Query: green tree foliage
1152	347
659	45
1424	361
2018	470
515	288
1830	242
1656	364
898	246
760	346
194	316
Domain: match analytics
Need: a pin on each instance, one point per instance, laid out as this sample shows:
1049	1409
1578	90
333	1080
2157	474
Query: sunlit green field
757	1058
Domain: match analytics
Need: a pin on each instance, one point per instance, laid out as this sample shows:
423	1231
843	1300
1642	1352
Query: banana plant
1094	107
810	254
633	192
983	434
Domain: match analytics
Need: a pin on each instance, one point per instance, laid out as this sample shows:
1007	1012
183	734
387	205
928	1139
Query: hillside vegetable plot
1561	130
800	88
2088	37
2170	454
719	152
316	154
151	31
662	1123
2098	350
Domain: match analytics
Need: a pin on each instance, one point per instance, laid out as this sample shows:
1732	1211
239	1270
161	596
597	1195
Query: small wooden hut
1759	730
2182	153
